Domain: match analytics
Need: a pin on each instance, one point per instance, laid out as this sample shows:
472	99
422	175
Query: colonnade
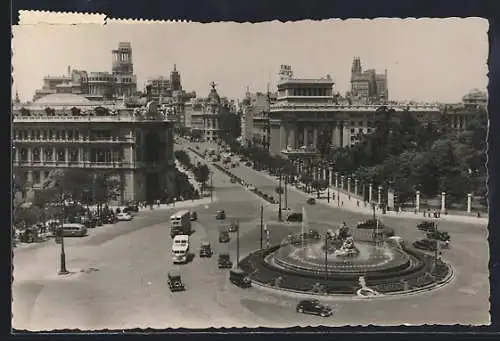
295	136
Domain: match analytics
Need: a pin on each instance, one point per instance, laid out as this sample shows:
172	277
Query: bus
180	249
180	223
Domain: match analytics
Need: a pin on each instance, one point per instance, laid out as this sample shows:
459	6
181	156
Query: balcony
300	152
106	140
74	164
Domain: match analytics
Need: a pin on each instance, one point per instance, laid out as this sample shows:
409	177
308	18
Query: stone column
80	154
282	137
469	203
342	182
324	174
315	137
42	155
330	178
356	186
66	154
349	185
30	154
370	192
291	137
379	201
336	179
417	201
305	137
443	201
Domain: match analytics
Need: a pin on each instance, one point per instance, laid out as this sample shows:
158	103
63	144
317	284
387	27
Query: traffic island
376	271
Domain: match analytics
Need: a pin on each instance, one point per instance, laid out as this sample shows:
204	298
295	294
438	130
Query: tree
202	174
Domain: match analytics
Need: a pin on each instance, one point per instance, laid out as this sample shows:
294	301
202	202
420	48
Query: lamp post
286	192
261	225
62	269
326	255
279	194
211	187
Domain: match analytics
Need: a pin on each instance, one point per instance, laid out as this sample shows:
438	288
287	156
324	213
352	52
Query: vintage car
193	216
311	201
439	235
233	226
175	281
369	224
427	226
240	278
294	216
224	261
224	236
220	215
206	249
314	307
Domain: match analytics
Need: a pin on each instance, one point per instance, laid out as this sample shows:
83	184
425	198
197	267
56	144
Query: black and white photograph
276	174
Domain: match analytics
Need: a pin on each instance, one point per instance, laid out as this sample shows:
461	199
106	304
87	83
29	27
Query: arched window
36	154
73	155
24	154
61	154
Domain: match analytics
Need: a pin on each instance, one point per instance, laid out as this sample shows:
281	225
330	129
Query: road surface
124	283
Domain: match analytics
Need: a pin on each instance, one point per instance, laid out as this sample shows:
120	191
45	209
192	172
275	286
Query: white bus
180	223
180	249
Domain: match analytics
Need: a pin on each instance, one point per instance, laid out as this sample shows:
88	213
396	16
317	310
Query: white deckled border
144	21
59	18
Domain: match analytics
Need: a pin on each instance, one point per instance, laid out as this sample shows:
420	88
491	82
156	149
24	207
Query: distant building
367	86
254	105
64	131
475	99
206	117
96	86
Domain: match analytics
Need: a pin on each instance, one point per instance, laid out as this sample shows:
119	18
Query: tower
356	67
122	59
175	79
286	72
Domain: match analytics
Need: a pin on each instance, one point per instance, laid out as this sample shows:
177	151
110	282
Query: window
36	177
36	154
38	134
352	130
61	154
51	134
352	138
369	130
360	130
25	134
24	154
69	134
48	155
58	134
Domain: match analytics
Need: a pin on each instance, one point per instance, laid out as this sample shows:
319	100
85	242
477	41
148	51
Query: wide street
128	287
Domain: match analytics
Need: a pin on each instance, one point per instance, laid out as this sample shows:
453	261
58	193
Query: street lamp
279	194
326	255
286	192
60	234
261	225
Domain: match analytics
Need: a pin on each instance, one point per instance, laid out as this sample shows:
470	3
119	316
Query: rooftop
62	99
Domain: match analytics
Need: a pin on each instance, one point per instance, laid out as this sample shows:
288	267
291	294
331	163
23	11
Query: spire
175	68
17	100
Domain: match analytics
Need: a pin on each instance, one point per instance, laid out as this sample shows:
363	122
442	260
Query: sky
426	59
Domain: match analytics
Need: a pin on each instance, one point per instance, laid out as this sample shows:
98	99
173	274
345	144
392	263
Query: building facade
65	131
206	116
253	107
367	86
306	116
96	85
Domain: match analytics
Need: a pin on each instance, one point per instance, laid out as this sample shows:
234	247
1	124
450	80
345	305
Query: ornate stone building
64	131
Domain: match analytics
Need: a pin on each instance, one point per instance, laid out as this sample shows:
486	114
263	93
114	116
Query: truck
180	223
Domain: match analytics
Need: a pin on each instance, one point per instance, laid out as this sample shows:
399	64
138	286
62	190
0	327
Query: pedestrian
357	203
342	204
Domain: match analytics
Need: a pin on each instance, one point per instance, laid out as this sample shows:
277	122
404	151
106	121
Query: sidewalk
350	204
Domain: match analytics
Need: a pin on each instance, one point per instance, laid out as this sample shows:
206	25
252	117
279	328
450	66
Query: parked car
311	201
74	230
206	249
233	180
123	217
224	236
240	278
109	218
98	221
314	307
193	216
175	281
88	222
427	226
220	215
131	207
439	235
233	226
248	164
224	261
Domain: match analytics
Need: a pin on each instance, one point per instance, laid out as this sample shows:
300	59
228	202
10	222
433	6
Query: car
224	236
233	226
98	221
248	164
294	216
425	244
109	218
314	307
427	226
311	201
233	180
131	207
175	281
193	216
123	217
220	215
240	278
369	224
88	222
224	261
439	235
206	249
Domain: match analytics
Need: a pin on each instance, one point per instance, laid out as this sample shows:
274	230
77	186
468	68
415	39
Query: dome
62	99
213	97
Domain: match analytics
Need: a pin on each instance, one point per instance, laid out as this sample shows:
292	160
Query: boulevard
124	282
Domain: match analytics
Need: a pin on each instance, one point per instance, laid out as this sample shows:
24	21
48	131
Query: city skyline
444	58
